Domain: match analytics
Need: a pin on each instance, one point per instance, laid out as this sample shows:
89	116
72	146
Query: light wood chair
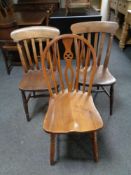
100	34
70	109
30	43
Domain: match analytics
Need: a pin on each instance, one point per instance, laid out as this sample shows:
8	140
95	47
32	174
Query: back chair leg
94	145
6	61
52	148
111	98
25	104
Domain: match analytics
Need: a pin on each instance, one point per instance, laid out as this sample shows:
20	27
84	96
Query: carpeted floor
24	146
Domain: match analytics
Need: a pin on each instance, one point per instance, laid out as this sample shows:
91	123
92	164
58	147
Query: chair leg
111	98
79	86
25	104
95	146
6	61
52	148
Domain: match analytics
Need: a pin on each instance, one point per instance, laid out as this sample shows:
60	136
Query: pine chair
100	34
70	109
30	43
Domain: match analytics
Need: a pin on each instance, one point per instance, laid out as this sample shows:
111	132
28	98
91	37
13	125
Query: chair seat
72	112
102	76
33	80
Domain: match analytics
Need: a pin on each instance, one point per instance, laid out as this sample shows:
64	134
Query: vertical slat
92	73
89	39
69	68
46	73
52	71
108	51
102	39
96	42
85	69
40	48
28	54
47	79
53	49
78	61
22	57
68	56
59	68
82	51
35	53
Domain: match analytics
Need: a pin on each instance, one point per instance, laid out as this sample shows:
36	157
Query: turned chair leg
52	148
95	146
25	104
111	98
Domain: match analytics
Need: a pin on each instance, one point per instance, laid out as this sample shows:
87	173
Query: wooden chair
70	109
96	33
30	43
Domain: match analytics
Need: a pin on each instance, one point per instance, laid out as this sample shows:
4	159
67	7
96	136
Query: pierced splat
68	56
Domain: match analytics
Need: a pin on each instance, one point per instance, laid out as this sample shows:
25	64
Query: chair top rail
34	32
94	26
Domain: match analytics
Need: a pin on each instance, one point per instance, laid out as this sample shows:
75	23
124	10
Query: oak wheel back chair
70	109
30	43
100	34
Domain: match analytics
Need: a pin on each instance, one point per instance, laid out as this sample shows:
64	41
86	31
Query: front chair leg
95	146
25	104
111	98
52	148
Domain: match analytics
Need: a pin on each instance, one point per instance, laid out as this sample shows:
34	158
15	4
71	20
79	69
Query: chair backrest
31	42
65	52
96	32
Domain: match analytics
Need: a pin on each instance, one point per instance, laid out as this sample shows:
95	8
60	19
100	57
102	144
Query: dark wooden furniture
11	22
5	8
24	13
118	10
42	6
63	20
25	18
126	34
70	110
103	33
36	5
30	46
7	46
